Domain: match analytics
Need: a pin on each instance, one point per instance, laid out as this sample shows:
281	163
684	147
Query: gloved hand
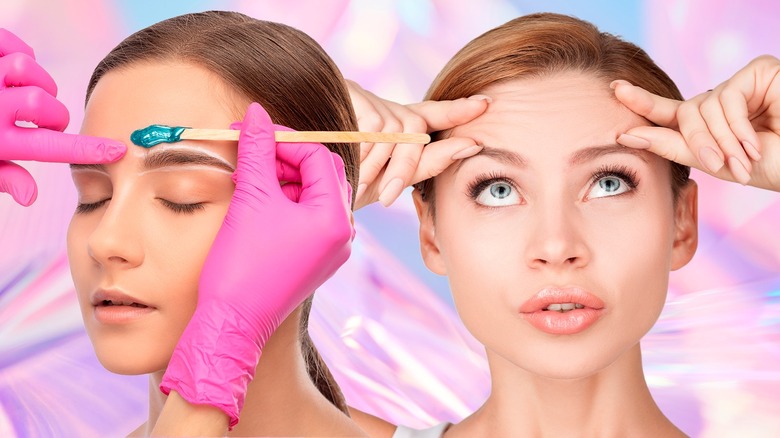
28	93
270	254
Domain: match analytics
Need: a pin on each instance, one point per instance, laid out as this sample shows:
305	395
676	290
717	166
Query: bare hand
731	132
386	169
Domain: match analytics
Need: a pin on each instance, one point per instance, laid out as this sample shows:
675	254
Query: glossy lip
117	314
114	295
557	323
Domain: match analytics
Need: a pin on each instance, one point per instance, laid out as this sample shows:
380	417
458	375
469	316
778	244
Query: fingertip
94	150
618	82
633	141
467	152
115	150
481	97
27	196
256	119
751	150
24	196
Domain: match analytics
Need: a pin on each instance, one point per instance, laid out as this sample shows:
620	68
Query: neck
613	402
281	399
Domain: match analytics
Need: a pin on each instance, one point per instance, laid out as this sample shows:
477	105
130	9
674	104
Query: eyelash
628	175
89	208
182	208
483	181
176	208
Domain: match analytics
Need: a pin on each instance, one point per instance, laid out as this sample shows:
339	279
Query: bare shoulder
374	426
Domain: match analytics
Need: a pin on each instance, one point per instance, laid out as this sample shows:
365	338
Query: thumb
256	150
664	142
18	182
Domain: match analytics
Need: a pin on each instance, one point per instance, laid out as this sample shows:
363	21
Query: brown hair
278	66
542	44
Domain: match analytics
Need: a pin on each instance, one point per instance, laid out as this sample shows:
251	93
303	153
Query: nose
557	239
116	242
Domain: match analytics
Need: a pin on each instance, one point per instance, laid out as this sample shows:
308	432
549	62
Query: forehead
174	94
561	112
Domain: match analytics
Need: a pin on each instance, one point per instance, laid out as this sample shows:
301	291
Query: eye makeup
483	181
625	173
182	208
84	208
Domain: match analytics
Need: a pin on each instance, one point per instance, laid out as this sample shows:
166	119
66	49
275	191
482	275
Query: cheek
633	258
79	230
180	248
481	255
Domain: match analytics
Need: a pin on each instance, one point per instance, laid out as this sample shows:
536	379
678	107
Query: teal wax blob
156	134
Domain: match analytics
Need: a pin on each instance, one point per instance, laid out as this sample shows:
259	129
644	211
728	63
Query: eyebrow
581	156
179	157
169	157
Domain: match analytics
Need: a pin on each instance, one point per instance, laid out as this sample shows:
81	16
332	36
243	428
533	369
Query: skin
559	228
136	243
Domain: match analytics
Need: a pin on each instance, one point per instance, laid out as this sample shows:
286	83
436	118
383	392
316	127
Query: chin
131	361
563	362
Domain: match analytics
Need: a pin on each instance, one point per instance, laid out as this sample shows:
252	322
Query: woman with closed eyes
176	250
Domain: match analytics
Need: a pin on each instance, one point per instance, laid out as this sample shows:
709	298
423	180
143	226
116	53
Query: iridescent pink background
385	325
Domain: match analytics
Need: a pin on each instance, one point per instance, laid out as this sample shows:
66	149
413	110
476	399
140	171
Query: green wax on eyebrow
156	134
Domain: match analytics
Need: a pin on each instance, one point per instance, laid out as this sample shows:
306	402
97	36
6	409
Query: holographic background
385	325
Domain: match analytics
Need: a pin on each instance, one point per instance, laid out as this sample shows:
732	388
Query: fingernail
751	150
360	190
467	152
739	171
391	191
487	99
710	159
633	141
617	82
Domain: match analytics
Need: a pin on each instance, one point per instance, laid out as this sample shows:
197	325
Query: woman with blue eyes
559	235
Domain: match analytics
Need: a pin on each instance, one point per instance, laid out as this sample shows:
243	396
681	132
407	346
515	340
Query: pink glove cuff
203	370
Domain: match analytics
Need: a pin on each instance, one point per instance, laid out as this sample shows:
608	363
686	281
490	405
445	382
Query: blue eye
495	193
612	182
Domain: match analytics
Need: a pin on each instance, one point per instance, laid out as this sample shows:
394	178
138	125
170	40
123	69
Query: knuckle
371	122
392	125
409	162
414	123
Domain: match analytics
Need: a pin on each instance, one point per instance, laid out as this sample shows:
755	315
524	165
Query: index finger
659	110
41	144
447	114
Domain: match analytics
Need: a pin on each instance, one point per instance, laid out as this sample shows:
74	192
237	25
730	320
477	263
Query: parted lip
101	295
559	295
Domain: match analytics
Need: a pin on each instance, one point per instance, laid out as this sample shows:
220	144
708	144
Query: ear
686	224
429	247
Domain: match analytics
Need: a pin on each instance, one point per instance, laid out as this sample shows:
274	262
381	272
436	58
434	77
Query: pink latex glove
28	93
270	254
